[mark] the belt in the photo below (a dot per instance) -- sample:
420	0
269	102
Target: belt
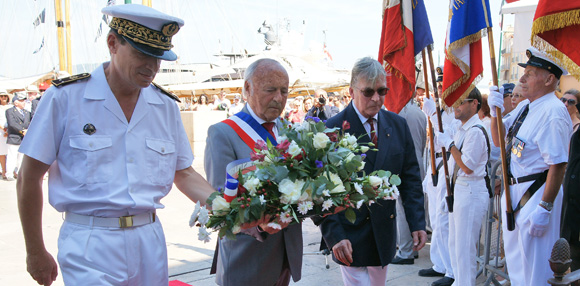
114	222
532	177
440	154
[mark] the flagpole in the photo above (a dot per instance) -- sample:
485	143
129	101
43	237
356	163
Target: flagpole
449	197
509	210
431	143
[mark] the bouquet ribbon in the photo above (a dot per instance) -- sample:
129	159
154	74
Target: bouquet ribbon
232	171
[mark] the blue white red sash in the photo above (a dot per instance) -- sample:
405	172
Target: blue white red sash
249	130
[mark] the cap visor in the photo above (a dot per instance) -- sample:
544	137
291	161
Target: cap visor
156	53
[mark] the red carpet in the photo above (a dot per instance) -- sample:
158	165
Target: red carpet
177	283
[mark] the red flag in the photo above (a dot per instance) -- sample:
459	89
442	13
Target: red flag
556	30
396	53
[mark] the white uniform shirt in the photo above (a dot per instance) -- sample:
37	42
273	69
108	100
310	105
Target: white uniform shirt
473	146
546	132
123	168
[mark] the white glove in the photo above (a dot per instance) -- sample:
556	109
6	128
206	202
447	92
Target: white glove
495	99
539	220
443	139
429	107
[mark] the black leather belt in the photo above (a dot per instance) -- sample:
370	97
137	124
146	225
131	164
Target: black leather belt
523	179
440	154
539	180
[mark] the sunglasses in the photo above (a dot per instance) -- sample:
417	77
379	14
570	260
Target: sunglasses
569	101
369	92
467	100
516	95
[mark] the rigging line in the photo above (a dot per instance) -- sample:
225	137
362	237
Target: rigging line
235	35
197	29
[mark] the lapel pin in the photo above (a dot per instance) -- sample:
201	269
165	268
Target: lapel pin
89	129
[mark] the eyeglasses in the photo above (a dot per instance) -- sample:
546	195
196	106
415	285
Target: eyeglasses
507	95
569	101
516	95
369	92
467	100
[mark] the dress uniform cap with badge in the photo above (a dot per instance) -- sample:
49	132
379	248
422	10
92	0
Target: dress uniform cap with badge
540	60
145	28
508	88
19	96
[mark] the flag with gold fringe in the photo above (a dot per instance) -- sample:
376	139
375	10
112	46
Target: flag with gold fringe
405	32
556	31
463	68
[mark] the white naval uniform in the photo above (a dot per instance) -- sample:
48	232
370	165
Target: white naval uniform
439	250
124	168
471	199
546	132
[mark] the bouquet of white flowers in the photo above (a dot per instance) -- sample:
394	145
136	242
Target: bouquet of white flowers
314	170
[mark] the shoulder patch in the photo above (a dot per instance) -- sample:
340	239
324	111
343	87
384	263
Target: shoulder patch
166	92
70	79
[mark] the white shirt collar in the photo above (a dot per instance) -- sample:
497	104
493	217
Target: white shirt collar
361	117
472	121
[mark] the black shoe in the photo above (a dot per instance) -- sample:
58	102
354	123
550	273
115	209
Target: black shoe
430	272
399	260
445	281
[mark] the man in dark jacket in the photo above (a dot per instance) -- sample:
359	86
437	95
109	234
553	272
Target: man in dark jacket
363	249
17	119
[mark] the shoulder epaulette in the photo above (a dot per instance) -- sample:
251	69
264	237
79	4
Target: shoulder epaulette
166	92
70	79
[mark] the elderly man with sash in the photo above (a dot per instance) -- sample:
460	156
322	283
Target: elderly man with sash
537	139
259	255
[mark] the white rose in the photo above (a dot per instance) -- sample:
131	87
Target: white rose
362	166
320	140
364	149
351	140
291	191
375	181
294	149
252	185
335	179
358	188
220	205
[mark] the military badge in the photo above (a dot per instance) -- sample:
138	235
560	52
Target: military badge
89	129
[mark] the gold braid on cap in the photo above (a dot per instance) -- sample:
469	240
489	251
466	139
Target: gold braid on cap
143	35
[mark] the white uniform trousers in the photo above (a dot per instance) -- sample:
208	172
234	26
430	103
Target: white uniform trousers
134	256
404	237
439	250
527	256
364	276
471	200
13	160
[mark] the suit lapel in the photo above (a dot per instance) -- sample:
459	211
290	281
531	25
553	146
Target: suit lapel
384	137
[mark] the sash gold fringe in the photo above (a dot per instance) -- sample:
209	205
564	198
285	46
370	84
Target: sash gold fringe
556	21
552	22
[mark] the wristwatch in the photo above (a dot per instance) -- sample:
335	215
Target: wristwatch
546	205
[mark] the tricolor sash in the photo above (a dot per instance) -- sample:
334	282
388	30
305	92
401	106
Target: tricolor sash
249	130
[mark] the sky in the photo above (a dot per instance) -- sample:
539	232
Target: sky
351	29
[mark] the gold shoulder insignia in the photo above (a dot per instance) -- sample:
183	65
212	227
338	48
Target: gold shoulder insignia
70	79
166	92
